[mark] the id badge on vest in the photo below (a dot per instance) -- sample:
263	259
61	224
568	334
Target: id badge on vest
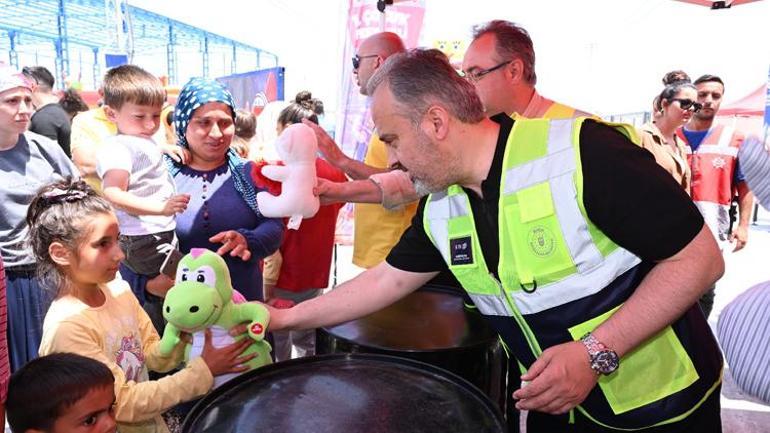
461	250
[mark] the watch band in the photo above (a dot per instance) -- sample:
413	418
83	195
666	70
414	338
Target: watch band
601	359
592	344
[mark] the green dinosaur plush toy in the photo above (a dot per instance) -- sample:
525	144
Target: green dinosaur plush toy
201	299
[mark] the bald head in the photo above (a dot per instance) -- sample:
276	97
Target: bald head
372	53
385	44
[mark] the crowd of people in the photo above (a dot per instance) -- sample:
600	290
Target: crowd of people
529	205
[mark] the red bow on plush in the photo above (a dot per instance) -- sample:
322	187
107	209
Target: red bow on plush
263	182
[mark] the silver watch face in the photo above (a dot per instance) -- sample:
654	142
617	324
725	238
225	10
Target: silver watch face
605	361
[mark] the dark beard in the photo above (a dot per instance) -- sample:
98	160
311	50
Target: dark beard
705	117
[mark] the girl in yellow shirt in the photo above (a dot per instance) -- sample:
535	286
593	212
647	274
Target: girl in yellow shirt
74	235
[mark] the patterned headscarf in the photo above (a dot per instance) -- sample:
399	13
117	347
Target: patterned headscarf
196	93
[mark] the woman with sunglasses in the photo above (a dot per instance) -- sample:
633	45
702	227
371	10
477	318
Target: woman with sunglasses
672	109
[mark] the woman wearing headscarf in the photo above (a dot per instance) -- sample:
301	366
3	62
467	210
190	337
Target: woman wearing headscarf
27	162
222	214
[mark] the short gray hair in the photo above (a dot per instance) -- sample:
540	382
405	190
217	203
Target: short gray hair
513	42
420	78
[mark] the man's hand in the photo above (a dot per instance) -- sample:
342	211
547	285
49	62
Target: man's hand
328	148
327	191
740	236
559	380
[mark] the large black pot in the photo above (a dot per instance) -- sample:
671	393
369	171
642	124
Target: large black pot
432	326
350	393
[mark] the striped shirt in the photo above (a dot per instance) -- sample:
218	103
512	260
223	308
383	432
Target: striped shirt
754	159
744	334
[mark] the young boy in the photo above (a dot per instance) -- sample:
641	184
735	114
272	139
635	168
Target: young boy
134	176
62	393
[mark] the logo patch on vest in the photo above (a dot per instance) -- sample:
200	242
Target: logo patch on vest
541	241
461	251
719	163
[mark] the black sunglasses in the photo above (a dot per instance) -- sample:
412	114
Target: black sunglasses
686	104
357	59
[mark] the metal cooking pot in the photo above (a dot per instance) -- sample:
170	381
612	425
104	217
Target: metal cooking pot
351	393
432	326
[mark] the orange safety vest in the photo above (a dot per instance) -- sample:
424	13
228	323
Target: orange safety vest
713	167
713	164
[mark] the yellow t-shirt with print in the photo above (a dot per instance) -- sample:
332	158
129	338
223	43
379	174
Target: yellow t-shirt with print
120	335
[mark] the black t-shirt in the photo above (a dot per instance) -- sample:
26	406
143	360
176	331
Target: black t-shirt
626	194
53	122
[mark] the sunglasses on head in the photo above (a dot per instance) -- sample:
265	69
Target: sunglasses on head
357	59
686	104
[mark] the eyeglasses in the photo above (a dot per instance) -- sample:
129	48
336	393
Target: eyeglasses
686	104
357	59
475	75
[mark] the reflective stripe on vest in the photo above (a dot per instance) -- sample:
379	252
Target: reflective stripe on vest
452	207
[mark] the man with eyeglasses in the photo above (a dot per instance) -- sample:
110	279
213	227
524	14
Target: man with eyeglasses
716	175
376	229
500	63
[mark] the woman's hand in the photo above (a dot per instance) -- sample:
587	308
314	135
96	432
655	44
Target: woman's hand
232	242
227	359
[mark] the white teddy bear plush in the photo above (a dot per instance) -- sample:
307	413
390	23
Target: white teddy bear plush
297	147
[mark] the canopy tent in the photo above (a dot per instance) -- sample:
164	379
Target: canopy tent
752	104
717	4
747	114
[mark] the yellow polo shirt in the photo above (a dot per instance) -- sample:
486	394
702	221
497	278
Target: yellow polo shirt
89	130
376	228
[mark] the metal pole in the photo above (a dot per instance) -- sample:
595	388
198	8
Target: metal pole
233	61
259	59
171	55
96	67
206	55
62	46
13	56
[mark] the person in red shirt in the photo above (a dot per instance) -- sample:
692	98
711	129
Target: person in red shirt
306	252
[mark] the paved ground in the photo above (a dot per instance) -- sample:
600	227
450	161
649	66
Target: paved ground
740	413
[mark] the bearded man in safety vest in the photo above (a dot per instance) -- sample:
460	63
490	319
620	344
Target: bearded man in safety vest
553	228
716	176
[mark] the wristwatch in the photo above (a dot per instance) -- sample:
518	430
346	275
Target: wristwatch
603	360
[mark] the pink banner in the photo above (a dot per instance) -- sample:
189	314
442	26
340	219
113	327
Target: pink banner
354	124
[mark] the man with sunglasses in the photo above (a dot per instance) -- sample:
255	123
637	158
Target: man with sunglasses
376	229
716	176
500	63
